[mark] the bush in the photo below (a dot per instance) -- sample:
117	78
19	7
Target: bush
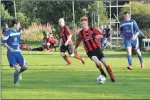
5	16
23	19
33	33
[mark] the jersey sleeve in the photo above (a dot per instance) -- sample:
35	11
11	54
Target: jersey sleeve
97	32
6	36
135	27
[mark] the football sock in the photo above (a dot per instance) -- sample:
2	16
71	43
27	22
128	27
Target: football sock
140	58
129	57
101	70
110	72
21	70
66	59
16	77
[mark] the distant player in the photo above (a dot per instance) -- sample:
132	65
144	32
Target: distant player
11	41
88	36
129	30
66	43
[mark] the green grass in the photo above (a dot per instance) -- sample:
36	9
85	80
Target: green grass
49	78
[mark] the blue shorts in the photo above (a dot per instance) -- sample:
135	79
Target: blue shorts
131	43
16	58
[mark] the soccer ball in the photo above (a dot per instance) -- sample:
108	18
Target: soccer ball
101	79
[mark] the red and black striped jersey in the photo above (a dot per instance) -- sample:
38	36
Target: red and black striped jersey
89	39
65	32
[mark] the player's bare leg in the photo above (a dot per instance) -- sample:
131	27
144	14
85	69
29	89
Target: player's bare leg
129	57
66	58
109	70
140	57
75	55
98	64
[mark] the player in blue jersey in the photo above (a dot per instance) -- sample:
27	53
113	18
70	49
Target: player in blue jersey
129	31
11	41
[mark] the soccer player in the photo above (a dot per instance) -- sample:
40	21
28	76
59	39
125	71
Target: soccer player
88	36
11	40
129	31
66	43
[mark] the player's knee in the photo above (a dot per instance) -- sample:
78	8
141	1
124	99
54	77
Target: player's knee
17	70
62	54
72	54
25	67
95	59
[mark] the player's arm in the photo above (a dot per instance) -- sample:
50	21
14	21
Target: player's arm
69	36
78	41
68	39
135	29
98	33
121	32
4	41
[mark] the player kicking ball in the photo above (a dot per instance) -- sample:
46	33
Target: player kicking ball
66	43
89	37
11	40
129	31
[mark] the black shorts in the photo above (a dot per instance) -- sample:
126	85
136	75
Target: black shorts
97	52
68	48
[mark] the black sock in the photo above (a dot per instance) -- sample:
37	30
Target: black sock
102	72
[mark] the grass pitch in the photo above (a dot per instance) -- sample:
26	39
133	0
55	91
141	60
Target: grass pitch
49	78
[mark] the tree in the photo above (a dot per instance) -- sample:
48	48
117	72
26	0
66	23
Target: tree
5	16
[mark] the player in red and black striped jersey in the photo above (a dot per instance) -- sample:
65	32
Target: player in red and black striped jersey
89	37
66	43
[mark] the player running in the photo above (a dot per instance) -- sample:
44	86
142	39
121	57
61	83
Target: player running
11	40
129	31
92	47
66	43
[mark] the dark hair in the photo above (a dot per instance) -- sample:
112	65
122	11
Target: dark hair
15	21
126	12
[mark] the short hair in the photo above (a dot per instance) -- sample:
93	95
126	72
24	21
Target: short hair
15	21
126	12
84	18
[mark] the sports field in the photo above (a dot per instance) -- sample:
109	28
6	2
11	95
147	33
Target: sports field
49	78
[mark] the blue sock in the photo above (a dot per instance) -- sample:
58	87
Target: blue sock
21	70
129	57
16	77
140	58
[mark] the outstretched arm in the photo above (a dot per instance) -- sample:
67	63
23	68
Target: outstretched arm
78	41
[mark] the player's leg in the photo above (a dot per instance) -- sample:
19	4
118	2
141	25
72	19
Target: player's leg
16	75
108	68
129	57
73	54
13	64
135	44
128	47
101	57
63	50
21	61
98	64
